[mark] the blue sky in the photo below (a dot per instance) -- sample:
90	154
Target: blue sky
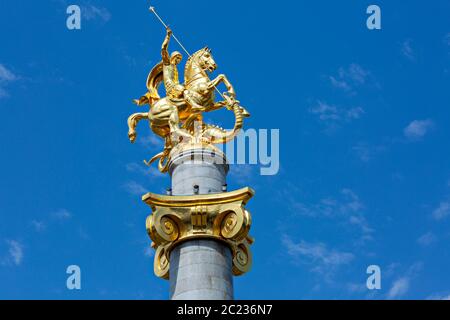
364	145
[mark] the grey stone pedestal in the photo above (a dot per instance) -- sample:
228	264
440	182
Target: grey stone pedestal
198	167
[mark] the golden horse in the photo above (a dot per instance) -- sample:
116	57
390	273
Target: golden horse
166	115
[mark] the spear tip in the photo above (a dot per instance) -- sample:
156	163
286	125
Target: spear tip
152	8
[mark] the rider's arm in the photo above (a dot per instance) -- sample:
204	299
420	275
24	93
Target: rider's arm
164	48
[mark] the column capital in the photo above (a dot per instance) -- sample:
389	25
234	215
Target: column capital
219	216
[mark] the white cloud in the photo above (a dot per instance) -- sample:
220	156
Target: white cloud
367	152
349	78
355	73
333	115
322	259
442	210
134	188
426	239
340	84
6	76
356	287
439	297
353	203
62	214
15	253
39	226
447	39
151	141
354	113
325	111
345	206
150	171
361	222
353	208
90	12
407	50
417	129
399	288
241	173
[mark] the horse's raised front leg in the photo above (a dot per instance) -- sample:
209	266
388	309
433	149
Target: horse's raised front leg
132	123
222	78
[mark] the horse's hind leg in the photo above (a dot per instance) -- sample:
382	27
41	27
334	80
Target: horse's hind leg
132	123
174	124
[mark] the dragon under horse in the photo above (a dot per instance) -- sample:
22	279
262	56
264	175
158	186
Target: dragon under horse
177	118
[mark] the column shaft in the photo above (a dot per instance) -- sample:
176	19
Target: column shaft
200	269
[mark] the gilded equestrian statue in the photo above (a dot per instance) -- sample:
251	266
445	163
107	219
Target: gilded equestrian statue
173	116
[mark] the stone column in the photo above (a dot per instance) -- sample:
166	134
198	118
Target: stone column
200	231
200	269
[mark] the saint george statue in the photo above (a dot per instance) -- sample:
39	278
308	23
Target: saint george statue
198	205
177	117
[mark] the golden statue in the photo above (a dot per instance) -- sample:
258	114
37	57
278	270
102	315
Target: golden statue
177	118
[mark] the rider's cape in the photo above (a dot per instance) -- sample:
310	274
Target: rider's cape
154	79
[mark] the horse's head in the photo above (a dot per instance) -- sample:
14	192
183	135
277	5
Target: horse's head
205	60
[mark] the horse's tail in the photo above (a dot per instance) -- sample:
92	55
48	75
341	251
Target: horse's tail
163	164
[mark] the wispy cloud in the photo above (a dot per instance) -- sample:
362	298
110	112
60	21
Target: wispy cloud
417	129
134	188
39	226
442	211
151	142
91	12
6	77
399	288
366	152
15	253
83	234
58	219
346	206
356	287
402	284
447	39
427	239
348	78
150	171
408	50
62	214
439	296
317	255
333	116
241	173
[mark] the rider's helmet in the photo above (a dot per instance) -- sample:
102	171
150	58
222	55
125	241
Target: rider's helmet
175	57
